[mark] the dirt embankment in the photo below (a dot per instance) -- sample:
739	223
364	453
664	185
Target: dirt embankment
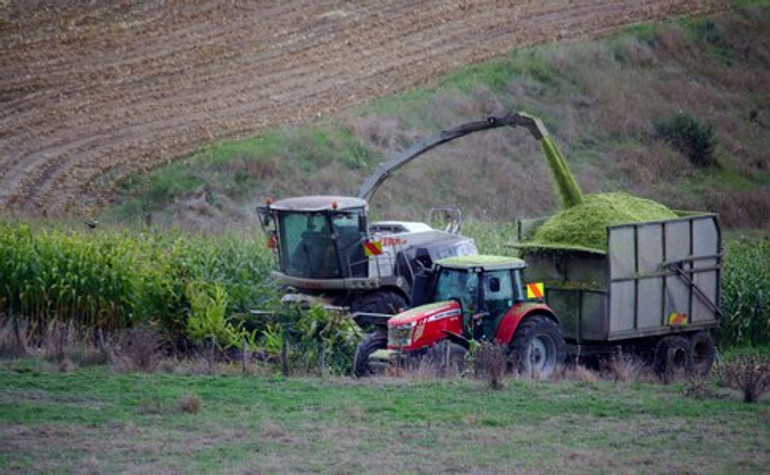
90	92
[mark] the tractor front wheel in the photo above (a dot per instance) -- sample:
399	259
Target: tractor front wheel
362	366
538	346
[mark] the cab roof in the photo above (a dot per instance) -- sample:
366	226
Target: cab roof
486	262
318	203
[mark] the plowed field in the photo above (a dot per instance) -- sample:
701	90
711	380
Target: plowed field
93	91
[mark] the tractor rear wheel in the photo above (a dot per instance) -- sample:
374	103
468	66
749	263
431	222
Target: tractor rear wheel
362	367
538	346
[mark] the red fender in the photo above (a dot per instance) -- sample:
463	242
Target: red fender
515	315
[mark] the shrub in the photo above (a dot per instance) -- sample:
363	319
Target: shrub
137	349
491	362
692	138
190	404
316	338
750	373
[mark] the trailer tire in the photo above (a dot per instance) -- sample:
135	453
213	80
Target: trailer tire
538	346
362	367
703	353
673	358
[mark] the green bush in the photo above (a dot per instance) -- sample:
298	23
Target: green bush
688	135
317	339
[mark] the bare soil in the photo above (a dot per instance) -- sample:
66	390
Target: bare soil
93	91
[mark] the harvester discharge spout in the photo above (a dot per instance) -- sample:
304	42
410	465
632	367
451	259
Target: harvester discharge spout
566	187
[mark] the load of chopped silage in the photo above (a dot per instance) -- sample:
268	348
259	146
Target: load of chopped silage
585	225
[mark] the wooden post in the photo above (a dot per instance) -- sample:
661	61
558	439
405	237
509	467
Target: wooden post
244	366
285	353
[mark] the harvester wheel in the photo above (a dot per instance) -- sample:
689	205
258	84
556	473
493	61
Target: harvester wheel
380	301
538	346
673	358
703	353
362	367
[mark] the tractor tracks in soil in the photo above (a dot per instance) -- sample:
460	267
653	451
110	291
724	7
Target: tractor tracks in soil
92	93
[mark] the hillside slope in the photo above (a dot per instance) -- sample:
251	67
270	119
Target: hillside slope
92	92
606	103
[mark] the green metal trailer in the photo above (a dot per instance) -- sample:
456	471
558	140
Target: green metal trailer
655	290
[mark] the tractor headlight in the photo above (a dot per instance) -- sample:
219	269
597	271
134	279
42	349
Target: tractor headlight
400	335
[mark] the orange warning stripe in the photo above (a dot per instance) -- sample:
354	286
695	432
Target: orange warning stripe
372	248
535	290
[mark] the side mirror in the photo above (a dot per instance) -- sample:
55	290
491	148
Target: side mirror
264	216
494	284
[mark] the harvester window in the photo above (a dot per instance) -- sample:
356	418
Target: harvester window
308	243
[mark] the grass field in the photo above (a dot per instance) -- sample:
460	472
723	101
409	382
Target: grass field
95	420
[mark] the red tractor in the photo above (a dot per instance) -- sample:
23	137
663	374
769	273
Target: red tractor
480	298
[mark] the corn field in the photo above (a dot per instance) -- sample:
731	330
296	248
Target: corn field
746	292
190	286
112	279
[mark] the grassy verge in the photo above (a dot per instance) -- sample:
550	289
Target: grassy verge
94	420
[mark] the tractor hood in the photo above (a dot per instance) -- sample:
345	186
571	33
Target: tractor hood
429	312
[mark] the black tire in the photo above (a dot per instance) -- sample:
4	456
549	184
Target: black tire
362	367
703	353
538	346
379	301
673	358
447	357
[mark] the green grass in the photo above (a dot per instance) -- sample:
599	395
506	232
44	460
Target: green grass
94	420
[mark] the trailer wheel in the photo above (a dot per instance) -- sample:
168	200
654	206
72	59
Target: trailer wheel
703	352
538	346
362	367
673	358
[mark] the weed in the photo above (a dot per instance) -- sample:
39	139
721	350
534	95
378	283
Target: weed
625	368
190	404
698	386
749	373
491	362
13	338
137	349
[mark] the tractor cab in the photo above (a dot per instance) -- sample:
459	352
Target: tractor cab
470	296
485	286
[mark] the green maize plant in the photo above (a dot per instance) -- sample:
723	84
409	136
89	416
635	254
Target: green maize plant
746	292
112	279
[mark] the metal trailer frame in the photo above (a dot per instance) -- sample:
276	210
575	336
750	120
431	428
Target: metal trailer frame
657	278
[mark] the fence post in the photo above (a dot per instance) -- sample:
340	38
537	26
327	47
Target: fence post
285	352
